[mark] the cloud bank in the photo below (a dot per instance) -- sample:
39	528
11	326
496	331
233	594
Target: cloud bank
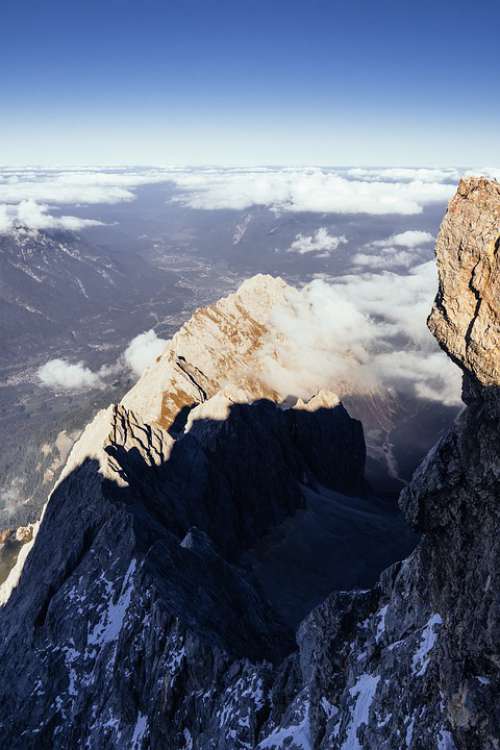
313	190
319	242
405	174
375	191
70	186
35	216
390	254
25	194
358	333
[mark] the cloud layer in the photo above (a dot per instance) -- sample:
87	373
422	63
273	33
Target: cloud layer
70	186
389	253
25	194
312	190
35	216
360	332
376	191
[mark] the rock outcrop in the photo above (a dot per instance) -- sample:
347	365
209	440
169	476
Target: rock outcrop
465	318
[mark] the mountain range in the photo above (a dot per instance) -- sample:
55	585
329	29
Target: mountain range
213	569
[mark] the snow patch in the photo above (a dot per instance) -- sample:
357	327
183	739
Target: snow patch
240	229
381	622
329	709
420	660
71	655
296	736
409	731
109	627
483	680
445	741
139	731
364	692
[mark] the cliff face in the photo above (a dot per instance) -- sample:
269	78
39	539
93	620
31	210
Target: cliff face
465	318
140	618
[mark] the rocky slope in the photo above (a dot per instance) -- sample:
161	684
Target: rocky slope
49	278
147	614
155	596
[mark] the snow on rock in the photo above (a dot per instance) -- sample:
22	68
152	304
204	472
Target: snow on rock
293	737
112	618
445	741
139	732
429	636
381	623
363	692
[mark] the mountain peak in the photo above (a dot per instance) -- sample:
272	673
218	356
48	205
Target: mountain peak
222	346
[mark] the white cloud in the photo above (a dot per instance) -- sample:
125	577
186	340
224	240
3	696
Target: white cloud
139	354
410	238
143	350
25	193
390	255
357	190
320	241
405	174
386	260
492	172
311	190
360	332
59	373
11	496
33	215
427	372
6	223
98	186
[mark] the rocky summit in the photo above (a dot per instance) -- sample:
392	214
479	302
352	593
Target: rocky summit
204	574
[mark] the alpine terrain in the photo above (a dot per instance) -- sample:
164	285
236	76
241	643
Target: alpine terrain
211	569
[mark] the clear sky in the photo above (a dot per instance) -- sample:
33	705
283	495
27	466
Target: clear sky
250	82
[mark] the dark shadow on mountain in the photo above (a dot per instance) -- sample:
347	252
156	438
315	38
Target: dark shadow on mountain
245	527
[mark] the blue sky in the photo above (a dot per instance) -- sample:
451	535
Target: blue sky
123	81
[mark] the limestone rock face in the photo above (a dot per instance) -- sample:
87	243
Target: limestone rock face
465	318
214	350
